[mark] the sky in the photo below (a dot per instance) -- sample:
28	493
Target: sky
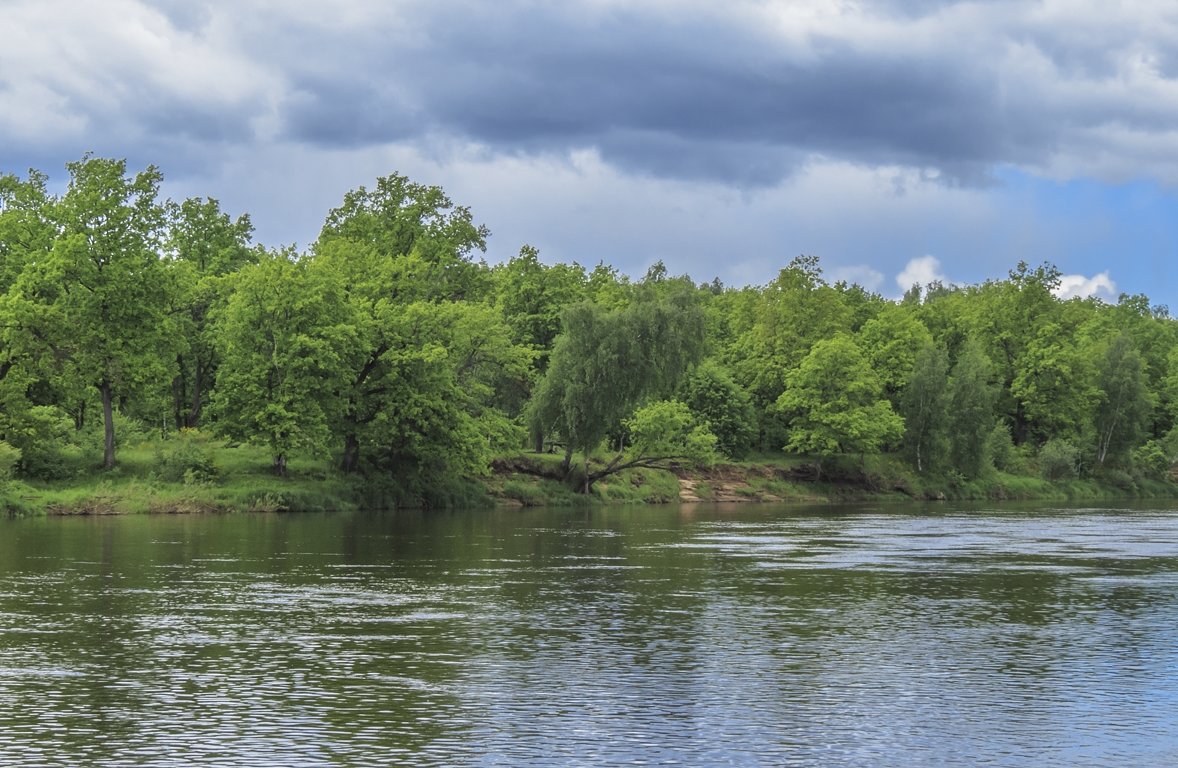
900	141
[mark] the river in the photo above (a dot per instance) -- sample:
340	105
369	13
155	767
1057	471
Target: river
699	635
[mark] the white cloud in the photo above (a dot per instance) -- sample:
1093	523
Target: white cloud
863	275
920	271
1099	286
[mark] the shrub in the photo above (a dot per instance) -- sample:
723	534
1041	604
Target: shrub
187	458
1152	460
1058	459
40	432
712	395
9	458
1001	448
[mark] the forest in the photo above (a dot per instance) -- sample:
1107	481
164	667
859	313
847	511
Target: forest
391	349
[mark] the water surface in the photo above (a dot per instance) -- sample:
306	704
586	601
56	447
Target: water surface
694	635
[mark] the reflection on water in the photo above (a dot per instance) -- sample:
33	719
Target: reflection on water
652	636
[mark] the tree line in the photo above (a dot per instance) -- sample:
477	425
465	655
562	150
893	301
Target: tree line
393	347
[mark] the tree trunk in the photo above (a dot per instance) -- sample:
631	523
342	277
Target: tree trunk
178	399
193	420
108	425
351	459
280	465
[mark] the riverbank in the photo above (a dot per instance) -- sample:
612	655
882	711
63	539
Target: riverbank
148	481
239	479
529	479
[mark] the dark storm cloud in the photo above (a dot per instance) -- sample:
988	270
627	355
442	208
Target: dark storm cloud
347	113
742	93
678	95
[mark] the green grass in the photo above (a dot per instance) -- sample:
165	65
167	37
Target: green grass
139	483
157	476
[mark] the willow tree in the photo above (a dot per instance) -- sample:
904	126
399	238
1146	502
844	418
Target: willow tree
607	362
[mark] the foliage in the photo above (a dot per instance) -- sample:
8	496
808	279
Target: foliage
189	457
426	239
835	403
892	340
794	312
971	398
204	245
1153	459
100	293
924	407
667	429
1059	459
605	362
712	394
9	458
41	432
281	339
392	347
1124	402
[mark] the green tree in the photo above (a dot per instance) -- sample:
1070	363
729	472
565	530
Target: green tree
924	406
425	408
532	295
1053	385
792	313
661	433
713	396
428	240
26	237
1009	318
971	398
607	362
1124	401
834	403
282	338
204	245
101	291
891	340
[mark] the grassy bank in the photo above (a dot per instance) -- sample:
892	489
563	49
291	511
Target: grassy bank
178	476
148	480
529	480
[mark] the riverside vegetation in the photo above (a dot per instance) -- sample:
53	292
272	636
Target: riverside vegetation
153	358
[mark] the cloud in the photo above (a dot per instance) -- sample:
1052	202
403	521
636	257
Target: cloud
920	271
1099	286
745	93
724	139
860	274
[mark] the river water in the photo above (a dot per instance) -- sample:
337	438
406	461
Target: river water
697	635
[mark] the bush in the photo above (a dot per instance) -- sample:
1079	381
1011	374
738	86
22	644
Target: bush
1152	460
9	458
1000	447
1119	479
1058	459
40	433
712	395
187	458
